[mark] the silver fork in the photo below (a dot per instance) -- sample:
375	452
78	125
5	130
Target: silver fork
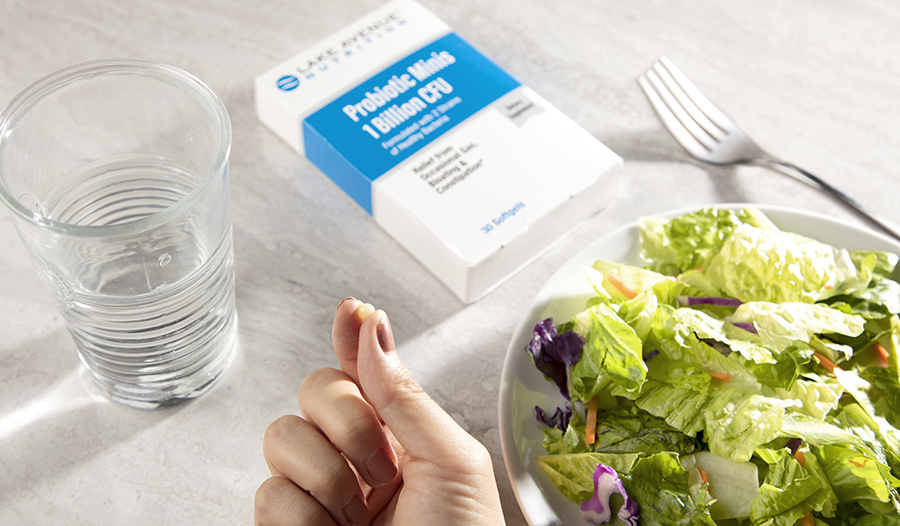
707	134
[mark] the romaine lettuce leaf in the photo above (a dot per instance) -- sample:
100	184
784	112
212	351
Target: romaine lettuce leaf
628	429
566	441
868	415
612	356
884	382
880	298
673	246
812	398
780	324
884	393
635	278
824	501
878	519
881	438
735	420
786	369
790	490
856	472
697	280
736	423
659	484
818	433
640	312
857	477
573	473
681	408
758	265
739	340
881	262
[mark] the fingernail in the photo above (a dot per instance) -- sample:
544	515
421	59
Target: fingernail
365	310
385	336
381	468
345	300
355	510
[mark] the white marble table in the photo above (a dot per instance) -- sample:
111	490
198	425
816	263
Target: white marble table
816	82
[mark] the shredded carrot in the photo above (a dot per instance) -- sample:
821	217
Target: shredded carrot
705	476
825	362
882	355
725	377
623	288
590	434
807	520
801	458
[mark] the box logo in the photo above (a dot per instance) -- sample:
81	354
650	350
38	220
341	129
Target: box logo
288	83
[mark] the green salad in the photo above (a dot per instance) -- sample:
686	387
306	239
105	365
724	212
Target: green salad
743	376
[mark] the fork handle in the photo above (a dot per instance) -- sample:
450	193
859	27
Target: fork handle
794	170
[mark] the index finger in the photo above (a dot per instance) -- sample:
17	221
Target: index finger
348	319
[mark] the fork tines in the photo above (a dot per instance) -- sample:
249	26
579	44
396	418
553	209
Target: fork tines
690	117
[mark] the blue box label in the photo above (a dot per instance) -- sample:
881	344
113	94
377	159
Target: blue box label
375	126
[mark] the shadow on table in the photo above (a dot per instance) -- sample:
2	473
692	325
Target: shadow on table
657	146
59	419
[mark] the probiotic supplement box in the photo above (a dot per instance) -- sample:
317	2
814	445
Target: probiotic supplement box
471	171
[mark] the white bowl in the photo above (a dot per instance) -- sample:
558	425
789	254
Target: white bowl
522	386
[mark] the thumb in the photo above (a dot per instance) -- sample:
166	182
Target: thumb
420	425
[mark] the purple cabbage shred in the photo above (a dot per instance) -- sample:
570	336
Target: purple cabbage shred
560	419
554	353
596	510
749	327
650	355
690	301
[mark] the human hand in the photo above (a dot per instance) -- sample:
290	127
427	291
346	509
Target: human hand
372	447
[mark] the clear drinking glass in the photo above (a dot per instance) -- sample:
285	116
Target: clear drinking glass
116	173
